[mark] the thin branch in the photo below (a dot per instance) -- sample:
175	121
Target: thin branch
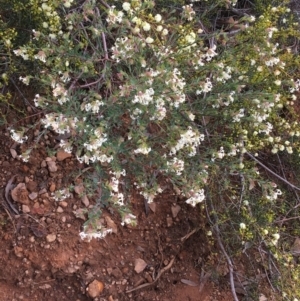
104	45
229	262
272	172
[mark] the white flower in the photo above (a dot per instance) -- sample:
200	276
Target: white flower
126	6
159	28
158	18
143	150
242	226
197	198
149	40
18	136
146	26
165	32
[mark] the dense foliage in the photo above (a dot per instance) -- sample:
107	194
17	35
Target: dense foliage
192	94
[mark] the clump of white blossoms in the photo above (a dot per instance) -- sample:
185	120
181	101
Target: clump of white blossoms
189	139
196	198
18	136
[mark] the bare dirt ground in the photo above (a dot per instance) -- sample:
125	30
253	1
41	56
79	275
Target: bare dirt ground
42	256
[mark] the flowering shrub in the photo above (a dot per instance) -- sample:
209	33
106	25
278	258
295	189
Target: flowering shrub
148	94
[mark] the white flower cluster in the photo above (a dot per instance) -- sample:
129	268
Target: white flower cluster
22	52
93	106
188	12
60	123
205	87
123	49
273	195
61	195
200	57
116	196
97	234
60	92
225	73
41	56
238	115
144	98
143	149
66	146
296	86
272	61
275	239
196	198
128	219
190	139
114	16
25	80
149	195
176	82
18	136
176	165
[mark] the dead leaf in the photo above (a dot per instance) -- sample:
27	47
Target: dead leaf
111	224
175	210
20	194
251	184
295	249
13	153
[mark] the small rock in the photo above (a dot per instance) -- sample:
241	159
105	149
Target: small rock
111	224
25	169
44	164
117	273
18	251
20	194
169	222
109	271
95	288
62	155
52	187
13	153
152	207
32	186
79	189
27	180
52	166
59	209
85	201
43	191
5	164
64	204
33	196
139	265
175	210
63	219
51	237
25	209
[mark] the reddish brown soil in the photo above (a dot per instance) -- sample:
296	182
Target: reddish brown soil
34	269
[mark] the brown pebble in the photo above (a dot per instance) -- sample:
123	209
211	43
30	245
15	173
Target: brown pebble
95	288
52	187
